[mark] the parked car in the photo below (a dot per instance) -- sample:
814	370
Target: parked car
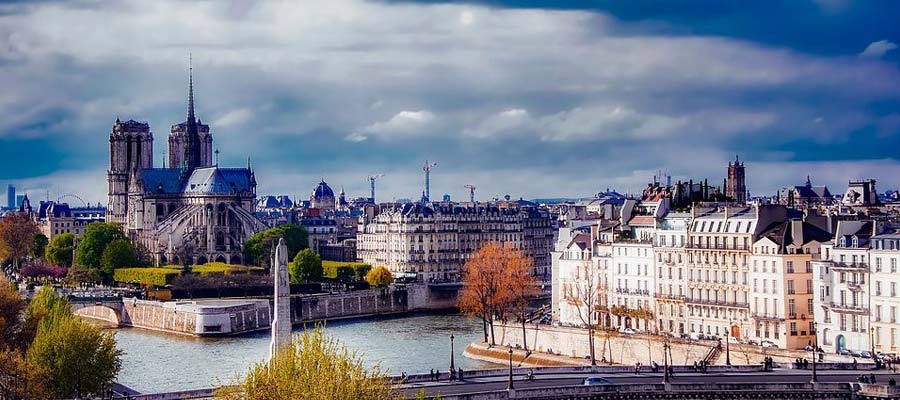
752	342
844	352
768	344
855	353
865	354
628	331
696	336
733	340
595	381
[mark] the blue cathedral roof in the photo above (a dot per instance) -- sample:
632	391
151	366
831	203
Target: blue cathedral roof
211	180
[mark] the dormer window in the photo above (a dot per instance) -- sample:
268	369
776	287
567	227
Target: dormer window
855	241
843	242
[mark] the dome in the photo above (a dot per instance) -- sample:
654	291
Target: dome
322	190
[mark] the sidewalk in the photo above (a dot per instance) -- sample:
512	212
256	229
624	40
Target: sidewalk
500	355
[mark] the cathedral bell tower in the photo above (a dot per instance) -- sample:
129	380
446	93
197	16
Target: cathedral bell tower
130	151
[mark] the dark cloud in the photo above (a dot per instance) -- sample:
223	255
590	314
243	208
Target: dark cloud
561	101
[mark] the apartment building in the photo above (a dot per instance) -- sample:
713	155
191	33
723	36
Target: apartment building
432	241
842	299
671	272
884	257
632	279
781	294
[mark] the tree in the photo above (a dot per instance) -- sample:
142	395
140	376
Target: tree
118	254
257	249
307	266
80	359
60	249
17	232
485	283
94	241
520	286
19	379
312	366
380	277
38	244
583	294
11	307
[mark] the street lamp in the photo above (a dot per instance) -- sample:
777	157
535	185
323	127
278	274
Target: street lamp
815	349
666	361
509	386
452	364
727	349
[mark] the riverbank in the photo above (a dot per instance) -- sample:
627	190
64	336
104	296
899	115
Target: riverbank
228	317
569	346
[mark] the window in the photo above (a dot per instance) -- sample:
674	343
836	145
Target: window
790	287
878	264
789	267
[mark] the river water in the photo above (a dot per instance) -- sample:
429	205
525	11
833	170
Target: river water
157	362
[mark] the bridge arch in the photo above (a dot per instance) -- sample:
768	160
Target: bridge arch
100	312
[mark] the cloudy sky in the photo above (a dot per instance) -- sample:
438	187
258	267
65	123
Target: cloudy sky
530	98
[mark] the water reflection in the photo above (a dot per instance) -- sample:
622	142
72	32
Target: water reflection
155	362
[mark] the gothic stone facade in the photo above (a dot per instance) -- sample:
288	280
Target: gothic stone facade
193	211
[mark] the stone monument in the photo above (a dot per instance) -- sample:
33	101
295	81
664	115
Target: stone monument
281	323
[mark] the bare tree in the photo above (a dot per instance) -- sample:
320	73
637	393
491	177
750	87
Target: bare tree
584	295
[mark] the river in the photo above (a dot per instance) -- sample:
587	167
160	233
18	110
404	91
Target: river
157	362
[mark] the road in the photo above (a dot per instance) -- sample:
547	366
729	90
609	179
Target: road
497	383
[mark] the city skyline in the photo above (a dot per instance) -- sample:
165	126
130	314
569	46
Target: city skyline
487	89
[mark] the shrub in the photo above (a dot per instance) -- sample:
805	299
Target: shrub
146	276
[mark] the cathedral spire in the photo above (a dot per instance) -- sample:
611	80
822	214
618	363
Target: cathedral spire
190	111
192	152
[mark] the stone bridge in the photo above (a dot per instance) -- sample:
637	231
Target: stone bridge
107	309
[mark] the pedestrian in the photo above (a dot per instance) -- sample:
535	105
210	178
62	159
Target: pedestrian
854	363
872	378
460	373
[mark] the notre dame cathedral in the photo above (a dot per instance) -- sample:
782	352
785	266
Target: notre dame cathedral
191	211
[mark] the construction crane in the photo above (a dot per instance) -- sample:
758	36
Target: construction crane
427	168
372	179
471	193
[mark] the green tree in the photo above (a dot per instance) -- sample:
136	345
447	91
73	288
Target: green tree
17	232
307	266
380	277
94	241
119	253
312	366
80	359
59	251
38	244
257	249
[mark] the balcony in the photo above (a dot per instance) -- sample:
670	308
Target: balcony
849	309
636	292
850	266
855	286
717	303
672	297
766	317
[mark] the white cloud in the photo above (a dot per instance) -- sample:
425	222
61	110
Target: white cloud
878	49
233	118
403	123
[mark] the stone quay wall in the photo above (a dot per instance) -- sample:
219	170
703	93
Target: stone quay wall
755	391
362	303
630	349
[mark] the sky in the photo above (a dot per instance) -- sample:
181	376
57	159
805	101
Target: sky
527	98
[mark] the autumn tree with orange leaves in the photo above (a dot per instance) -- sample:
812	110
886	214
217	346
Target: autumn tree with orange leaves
497	281
17	232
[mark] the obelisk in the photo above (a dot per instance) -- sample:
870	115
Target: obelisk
281	323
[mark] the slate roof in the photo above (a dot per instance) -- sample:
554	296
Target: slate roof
210	180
